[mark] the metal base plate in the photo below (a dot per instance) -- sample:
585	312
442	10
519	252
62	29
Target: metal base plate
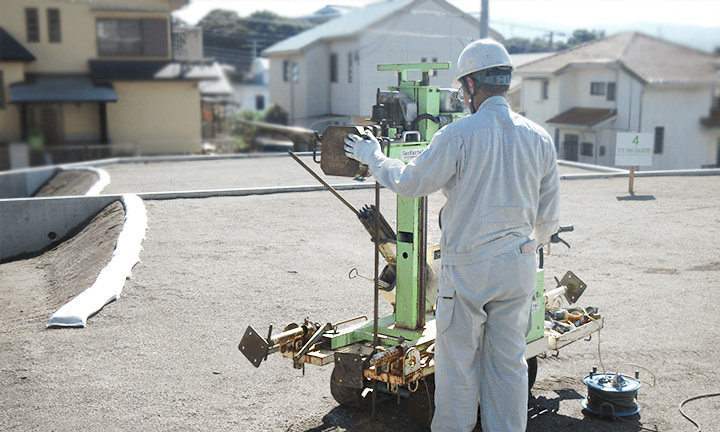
253	346
349	370
575	287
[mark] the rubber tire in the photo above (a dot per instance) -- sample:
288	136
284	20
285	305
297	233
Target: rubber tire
421	403
347	396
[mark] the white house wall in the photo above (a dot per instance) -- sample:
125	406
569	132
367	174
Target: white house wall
315	81
538	109
344	99
628	94
679	110
288	94
245	95
583	79
408	37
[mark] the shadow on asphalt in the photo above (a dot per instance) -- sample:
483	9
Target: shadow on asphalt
543	416
633	197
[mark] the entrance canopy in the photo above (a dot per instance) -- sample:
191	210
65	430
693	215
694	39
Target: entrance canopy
587	117
61	89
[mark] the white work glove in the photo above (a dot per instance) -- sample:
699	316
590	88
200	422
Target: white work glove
364	149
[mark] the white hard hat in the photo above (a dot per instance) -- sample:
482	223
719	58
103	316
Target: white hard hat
480	55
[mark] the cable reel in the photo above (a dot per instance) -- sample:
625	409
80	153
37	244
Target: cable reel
613	395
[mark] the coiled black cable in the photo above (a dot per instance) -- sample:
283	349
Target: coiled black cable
612	401
612	404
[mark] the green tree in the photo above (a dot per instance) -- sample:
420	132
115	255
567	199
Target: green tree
582	36
235	39
276	114
245	133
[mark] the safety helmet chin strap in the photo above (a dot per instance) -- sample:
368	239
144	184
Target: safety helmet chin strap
470	87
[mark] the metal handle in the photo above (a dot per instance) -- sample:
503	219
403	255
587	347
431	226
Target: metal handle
409	133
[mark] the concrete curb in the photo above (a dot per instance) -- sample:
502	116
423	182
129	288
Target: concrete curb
183	158
590	167
673	173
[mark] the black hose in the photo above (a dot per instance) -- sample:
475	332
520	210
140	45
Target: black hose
416	122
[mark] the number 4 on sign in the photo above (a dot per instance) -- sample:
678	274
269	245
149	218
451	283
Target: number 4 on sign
636	140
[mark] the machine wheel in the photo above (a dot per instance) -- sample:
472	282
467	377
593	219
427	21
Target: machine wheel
421	403
347	396
532	372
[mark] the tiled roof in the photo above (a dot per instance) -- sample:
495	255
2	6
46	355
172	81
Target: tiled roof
12	50
219	86
352	23
583	116
345	25
654	61
150	70
65	88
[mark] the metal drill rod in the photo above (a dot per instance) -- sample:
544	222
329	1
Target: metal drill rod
376	337
323	182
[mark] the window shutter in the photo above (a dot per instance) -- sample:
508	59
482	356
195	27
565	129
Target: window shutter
659	139
155	37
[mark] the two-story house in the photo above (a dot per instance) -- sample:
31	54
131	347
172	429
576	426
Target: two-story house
98	72
627	82
329	73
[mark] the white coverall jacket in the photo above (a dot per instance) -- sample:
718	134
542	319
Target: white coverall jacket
498	171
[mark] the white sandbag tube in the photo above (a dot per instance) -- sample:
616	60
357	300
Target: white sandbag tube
111	280
103	179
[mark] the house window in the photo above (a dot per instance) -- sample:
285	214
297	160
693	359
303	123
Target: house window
601	152
259	102
53	17
286	70
717	155
423	60
611	91
557	140
571	147
597	88
333	68
32	25
350	60
659	139
545	85
295	70
132	37
586	149
2	91
434	72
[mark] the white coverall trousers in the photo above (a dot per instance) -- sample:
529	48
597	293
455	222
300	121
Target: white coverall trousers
482	316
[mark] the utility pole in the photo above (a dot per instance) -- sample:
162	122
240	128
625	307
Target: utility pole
484	19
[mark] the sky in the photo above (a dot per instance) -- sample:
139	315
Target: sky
532	18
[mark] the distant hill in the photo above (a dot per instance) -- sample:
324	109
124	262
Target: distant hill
233	39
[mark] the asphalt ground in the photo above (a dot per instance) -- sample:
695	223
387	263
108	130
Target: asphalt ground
164	356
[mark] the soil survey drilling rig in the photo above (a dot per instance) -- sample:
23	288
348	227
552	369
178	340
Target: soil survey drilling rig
393	354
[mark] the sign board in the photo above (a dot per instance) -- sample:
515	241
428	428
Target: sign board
634	149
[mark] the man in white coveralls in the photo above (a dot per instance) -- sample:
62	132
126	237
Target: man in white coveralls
498	171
